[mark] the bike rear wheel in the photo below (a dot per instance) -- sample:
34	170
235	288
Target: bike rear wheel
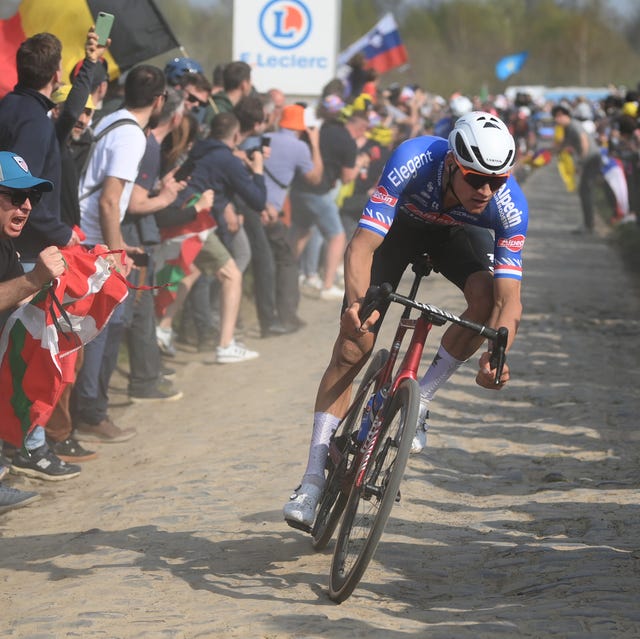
335	494
369	505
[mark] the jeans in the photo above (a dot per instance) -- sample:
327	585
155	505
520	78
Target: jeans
287	289
35	438
319	209
90	397
311	257
263	268
144	353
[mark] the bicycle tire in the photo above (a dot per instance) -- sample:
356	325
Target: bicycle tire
334	498
369	505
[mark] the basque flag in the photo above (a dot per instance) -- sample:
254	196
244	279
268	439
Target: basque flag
382	47
139	32
510	64
175	255
39	342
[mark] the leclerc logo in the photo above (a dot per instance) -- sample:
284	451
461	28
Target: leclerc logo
285	24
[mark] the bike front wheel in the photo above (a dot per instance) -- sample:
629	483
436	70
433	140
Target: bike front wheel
370	503
335	495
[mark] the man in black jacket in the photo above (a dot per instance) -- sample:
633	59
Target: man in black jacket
26	130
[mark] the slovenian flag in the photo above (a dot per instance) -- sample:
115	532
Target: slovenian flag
510	64
139	32
381	47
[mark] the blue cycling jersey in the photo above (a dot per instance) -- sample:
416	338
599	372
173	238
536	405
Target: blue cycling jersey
411	186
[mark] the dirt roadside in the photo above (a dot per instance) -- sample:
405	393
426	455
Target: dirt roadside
520	520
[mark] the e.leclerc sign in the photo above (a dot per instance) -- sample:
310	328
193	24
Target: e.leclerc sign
290	44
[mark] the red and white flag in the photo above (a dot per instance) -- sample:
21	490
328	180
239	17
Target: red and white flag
174	257
382	47
39	342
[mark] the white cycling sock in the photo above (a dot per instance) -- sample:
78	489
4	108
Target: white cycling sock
323	426
442	368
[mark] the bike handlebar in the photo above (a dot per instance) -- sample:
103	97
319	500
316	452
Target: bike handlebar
377	295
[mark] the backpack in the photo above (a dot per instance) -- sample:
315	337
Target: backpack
95	139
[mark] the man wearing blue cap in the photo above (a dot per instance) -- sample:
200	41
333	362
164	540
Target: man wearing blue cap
20	191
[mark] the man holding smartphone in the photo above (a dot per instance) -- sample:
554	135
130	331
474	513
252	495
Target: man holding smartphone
26	130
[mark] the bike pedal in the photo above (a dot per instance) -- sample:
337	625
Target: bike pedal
298	525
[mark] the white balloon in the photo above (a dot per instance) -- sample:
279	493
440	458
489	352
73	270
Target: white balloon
8	8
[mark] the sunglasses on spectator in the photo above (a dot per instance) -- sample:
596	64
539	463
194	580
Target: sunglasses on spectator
18	198
193	99
478	180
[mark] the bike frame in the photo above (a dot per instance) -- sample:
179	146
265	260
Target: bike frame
421	326
408	369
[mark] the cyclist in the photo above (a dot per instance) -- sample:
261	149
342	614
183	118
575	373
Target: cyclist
443	197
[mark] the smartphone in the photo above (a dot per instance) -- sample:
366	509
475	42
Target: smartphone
265	141
103	27
185	170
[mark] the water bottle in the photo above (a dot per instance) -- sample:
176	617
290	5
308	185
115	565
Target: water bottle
379	397
373	405
365	423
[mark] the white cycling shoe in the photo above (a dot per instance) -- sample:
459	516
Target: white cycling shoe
300	511
420	438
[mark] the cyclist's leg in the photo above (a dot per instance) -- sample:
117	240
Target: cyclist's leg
351	353
332	400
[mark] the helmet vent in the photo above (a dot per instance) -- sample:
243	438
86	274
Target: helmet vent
461	149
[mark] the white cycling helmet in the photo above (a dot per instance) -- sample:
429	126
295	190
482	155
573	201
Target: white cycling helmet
481	143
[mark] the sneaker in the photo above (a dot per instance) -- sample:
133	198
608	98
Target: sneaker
70	450
11	498
164	392
332	293
300	511
313	281
42	463
167	373
233	353
106	431
420	438
164	337
311	286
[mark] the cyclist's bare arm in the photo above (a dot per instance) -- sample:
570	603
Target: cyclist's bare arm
357	276
507	312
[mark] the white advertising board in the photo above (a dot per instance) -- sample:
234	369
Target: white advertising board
290	44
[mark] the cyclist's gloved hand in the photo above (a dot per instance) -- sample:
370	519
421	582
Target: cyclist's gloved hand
486	376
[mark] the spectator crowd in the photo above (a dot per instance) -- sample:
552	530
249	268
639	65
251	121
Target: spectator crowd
208	192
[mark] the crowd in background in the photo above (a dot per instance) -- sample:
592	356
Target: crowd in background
215	191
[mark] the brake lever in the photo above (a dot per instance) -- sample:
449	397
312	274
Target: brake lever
374	296
498	354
